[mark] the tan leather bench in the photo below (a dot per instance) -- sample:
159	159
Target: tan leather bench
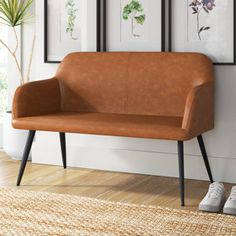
143	95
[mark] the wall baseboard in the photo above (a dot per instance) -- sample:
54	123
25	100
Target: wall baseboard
100	157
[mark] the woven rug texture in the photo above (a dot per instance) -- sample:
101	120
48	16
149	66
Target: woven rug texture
39	213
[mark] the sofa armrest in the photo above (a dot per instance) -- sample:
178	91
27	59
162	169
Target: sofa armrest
199	110
37	98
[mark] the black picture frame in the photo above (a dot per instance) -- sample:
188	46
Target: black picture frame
170	36
104	25
46	35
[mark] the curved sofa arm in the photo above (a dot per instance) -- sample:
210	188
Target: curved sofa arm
37	98
199	109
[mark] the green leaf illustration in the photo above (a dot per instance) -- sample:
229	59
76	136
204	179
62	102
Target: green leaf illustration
140	19
133	11
72	15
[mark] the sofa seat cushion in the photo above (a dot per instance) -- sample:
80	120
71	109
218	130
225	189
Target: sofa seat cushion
140	126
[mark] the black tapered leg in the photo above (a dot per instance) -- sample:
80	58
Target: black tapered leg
27	149
63	148
204	155
181	170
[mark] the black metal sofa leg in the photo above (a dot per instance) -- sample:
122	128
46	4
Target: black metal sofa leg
181	170
63	148
25	157
204	155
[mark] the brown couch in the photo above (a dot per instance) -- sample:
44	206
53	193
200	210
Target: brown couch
143	95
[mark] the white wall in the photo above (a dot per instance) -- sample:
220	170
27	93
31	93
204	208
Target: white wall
1	132
142	155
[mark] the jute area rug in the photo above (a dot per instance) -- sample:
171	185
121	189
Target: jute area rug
34	213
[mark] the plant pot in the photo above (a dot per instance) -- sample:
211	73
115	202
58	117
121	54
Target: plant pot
13	140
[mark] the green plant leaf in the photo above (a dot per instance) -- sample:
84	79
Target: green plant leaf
132	9
140	19
15	12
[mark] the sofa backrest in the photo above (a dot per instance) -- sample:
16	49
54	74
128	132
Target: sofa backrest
147	83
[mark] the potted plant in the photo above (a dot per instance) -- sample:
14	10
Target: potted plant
15	13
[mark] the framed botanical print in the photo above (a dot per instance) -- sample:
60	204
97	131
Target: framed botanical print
134	25
69	26
205	26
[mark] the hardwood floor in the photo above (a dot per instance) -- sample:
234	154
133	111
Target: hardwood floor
122	187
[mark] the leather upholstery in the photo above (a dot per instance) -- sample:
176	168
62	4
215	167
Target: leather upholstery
146	95
107	124
37	98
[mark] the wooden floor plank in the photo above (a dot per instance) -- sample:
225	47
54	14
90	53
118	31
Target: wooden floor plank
122	187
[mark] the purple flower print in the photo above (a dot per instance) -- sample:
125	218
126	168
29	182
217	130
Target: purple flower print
208	4
195	2
197	7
